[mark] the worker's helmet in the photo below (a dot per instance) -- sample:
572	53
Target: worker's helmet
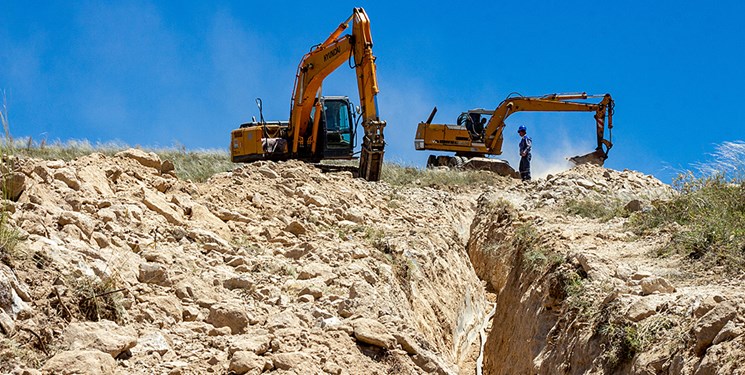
522	128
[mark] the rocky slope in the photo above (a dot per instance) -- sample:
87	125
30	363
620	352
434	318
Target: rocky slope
268	267
275	267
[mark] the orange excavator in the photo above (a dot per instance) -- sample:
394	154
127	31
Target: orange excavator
323	127
474	137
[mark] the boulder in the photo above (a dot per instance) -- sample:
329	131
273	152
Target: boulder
239	282
372	332
296	228
245	361
155	202
80	220
93	179
268	172
80	362
154	273
634	205
153	342
642	309
287	361
656	284
13	185
105	336
147	159
167	166
231	314
259	344
68	176
708	327
728	332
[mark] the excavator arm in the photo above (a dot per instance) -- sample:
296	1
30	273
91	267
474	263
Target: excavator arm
321	61
552	103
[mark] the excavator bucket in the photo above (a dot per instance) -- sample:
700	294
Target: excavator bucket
596	157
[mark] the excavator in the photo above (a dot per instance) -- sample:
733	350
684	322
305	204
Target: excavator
323	127
472	138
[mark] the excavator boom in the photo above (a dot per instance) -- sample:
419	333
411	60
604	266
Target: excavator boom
312	131
473	139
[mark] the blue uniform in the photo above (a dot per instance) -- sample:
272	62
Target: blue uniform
525	147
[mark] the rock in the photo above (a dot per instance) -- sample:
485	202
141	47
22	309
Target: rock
7	325
296	228
13	185
207	237
82	221
170	305
656	285
330	323
190	313
285	319
104	335
287	361
256	344
313	270
639	275
634	205
67	176
373	333
167	166
701	307
407	343
204	216
728	332
101	239
245	361
642	309
239	282
268	172
306	298
80	362
155	202
153	342
708	327
147	159
312	290
93	180
13	295
229	314
154	273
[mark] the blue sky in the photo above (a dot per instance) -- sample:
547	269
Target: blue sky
164	73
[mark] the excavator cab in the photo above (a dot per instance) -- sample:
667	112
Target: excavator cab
337	127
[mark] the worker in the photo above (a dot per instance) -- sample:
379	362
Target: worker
525	147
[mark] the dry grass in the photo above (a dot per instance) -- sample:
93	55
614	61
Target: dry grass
9	236
399	175
195	165
709	213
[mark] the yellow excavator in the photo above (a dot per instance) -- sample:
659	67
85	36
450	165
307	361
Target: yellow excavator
474	137
323	127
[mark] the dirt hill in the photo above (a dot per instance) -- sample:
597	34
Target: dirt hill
120	267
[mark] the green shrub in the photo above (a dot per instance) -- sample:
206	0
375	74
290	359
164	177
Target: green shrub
709	217
623	342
